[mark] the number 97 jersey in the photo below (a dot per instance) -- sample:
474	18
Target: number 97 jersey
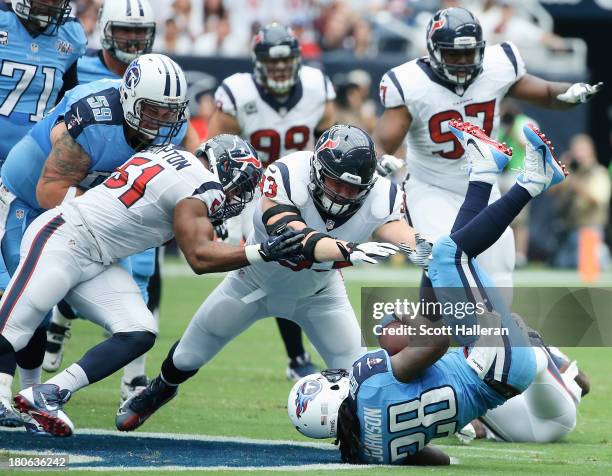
276	128
434	155
399	419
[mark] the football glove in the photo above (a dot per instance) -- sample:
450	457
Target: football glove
388	164
286	246
579	93
421	255
367	252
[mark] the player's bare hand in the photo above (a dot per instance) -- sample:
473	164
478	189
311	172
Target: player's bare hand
286	246
580	93
370	252
388	165
421	254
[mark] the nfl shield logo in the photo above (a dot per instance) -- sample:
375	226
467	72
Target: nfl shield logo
329	224
19	213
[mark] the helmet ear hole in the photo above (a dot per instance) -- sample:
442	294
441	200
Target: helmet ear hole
335	387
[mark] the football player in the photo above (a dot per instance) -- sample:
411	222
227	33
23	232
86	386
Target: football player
387	409
334	196
70	252
460	78
127	30
280	108
70	150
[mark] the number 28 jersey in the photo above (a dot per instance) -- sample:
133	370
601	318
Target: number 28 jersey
276	128
434	155
133	209
398	419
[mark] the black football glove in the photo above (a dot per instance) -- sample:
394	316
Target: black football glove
286	246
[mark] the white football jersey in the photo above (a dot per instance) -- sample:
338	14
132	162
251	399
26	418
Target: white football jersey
434	155
276	128
287	182
133	209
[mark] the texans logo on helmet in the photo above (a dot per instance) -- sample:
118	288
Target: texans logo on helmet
436	26
305	394
329	144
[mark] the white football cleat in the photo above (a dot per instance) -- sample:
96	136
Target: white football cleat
540	170
44	403
486	158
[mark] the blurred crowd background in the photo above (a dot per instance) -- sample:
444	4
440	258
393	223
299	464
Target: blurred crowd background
356	41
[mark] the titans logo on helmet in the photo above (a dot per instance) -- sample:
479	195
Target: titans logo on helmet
132	75
305	394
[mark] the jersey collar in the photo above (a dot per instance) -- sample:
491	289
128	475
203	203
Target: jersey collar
423	63
281	107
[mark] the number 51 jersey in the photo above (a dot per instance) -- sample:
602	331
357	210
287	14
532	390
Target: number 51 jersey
276	128
133	209
399	419
434	155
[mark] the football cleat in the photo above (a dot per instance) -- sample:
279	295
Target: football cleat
486	158
44	403
33	427
136	385
8	416
56	340
135	410
541	170
300	367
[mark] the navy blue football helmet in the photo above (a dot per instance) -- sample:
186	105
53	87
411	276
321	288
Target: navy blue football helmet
346	154
277	58
455	30
235	164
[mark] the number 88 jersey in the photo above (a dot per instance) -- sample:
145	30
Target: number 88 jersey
399	419
276	128
434	155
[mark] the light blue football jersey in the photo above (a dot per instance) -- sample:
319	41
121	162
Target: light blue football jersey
91	68
31	73
94	118
398	419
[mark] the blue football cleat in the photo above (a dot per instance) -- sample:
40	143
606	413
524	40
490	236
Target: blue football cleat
541	170
44	403
486	158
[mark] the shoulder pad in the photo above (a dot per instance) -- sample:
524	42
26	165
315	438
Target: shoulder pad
372	363
101	107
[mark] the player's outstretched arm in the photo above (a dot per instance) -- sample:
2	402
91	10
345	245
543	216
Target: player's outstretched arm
319	247
551	94
65	167
194	234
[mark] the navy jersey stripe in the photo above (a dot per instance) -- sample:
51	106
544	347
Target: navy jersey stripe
285	176
27	268
207	186
396	82
229	92
392	195
511	56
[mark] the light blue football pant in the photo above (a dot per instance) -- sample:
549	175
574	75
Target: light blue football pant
458	279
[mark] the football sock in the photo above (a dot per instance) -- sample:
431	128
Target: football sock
29	377
486	227
33	354
170	373
476	200
115	353
72	378
65	311
292	337
6	381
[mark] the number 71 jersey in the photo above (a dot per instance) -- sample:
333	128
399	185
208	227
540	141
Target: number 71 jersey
276	128
434	155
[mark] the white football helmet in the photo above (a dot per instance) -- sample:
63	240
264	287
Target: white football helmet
137	14
41	14
153	96
314	402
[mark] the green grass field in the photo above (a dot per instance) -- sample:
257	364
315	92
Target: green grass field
243	392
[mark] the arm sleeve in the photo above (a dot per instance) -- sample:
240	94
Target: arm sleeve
390	91
276	184
330	92
211	193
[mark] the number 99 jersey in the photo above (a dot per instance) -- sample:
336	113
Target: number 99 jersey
276	128
398	419
434	155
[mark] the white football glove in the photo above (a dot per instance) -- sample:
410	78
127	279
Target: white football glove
467	434
367	252
579	93
388	164
421	255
